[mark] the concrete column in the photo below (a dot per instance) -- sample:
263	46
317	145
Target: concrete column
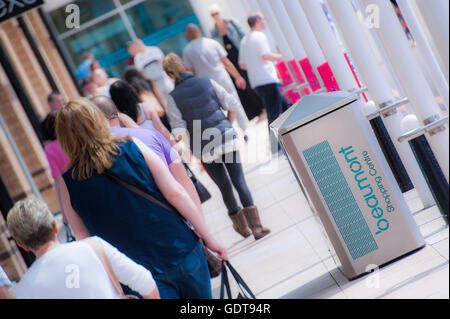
412	79
436	16
280	39
304	32
328	42
425	50
369	69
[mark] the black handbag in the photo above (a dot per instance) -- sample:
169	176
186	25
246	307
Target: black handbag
203	193
245	293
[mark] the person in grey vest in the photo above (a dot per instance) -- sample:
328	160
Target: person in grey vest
195	113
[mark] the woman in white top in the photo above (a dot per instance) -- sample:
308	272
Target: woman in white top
77	270
127	102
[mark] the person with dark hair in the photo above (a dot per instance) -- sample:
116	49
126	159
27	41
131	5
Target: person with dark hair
147	93
58	162
127	102
256	57
55	101
229	33
88	86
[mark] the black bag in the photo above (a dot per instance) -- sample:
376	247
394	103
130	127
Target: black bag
203	193
245	293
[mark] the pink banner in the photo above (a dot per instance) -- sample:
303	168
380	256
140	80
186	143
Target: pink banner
284	73
310	75
328	78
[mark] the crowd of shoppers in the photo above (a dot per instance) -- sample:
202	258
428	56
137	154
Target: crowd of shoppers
119	177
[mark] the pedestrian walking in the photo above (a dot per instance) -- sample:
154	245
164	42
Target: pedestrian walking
58	162
154	140
55	102
195	107
229	33
208	59
127	102
147	93
256	57
74	270
148	60
146	231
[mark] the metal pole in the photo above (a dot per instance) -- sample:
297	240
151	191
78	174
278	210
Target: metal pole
436	16
412	79
424	48
376	82
20	159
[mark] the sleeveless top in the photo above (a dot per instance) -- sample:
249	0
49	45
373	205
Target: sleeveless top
150	235
148	124
198	103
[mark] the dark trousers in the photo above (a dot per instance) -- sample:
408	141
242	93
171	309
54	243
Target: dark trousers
274	102
226	173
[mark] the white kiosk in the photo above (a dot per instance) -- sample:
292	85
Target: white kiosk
335	155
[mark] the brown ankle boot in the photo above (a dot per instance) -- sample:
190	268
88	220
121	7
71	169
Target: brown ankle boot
252	216
240	224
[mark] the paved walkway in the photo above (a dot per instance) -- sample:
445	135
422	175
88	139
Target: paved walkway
294	261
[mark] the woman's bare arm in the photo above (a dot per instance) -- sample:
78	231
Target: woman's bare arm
178	197
76	223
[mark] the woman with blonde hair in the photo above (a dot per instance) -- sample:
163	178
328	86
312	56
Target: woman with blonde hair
103	171
196	107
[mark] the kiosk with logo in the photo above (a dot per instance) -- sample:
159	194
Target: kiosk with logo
335	155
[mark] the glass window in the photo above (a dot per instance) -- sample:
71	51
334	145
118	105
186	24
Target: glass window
153	15
105	40
89	9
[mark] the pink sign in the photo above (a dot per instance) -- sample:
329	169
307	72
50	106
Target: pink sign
284	73
310	75
298	78
328	78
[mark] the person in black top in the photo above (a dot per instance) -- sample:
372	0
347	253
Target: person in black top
55	101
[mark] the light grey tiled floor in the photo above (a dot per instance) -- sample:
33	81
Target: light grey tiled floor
294	261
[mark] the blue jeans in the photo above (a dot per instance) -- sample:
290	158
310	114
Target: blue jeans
274	102
188	280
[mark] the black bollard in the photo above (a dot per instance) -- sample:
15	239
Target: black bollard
432	172
391	155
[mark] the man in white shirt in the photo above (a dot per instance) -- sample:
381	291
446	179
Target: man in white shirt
74	270
256	57
148	59
207	58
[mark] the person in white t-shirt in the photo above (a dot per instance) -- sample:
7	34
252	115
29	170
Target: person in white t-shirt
256	57
206	58
76	270
148	60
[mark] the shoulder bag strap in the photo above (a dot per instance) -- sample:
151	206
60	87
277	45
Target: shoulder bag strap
141	193
104	259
